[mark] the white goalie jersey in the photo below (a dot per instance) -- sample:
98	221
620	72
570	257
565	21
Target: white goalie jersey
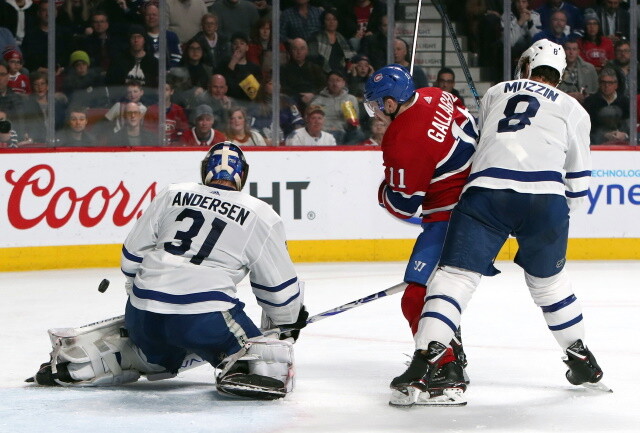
195	243
534	139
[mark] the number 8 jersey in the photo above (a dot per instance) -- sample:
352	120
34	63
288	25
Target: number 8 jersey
534	139
195	243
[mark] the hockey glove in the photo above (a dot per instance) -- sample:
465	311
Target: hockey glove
295	327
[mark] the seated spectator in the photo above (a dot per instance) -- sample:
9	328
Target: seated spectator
260	49
401	56
446	80
184	17
36	105
8	135
10	102
607	96
18	80
236	16
300	78
202	134
132	134
75	133
216	97
73	16
340	110
622	65
83	85
35	45
359	72
580	78
134	64
615	20
595	48
117	114
239	130
374	45
261	113
574	23
555	30
378	128
102	45
354	17
313	133
151	21
525	23
17	16
175	119
299	21
243	77
7	40
216	45
328	46
610	129
192	60
184	94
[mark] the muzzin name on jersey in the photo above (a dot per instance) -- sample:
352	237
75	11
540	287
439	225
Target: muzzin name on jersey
515	86
231	211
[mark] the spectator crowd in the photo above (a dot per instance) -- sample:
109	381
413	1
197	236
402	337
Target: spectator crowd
219	60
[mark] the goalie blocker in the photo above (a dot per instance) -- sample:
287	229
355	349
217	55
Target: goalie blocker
101	354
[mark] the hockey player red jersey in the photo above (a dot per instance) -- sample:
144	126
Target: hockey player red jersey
427	154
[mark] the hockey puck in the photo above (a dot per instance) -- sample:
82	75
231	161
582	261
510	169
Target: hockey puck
104	285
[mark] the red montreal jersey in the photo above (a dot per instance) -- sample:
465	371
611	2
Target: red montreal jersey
19	83
427	153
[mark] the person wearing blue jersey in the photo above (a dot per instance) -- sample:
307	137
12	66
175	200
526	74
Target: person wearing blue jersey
532	166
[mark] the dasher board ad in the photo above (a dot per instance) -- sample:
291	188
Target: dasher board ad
87	198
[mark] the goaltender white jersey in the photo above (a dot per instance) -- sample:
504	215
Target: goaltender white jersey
534	139
195	243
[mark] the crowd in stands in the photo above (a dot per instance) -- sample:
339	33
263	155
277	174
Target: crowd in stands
219	67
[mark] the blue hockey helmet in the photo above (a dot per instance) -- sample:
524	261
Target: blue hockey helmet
391	81
225	161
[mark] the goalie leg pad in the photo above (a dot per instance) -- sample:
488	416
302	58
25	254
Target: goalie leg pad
263	369
94	355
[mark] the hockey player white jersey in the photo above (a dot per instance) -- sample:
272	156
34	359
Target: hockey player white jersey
195	243
526	128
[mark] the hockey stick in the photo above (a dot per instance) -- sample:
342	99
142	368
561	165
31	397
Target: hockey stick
415	38
456	45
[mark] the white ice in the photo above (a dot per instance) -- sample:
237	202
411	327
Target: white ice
344	363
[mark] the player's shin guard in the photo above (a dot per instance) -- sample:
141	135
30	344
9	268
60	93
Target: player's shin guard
262	369
559	305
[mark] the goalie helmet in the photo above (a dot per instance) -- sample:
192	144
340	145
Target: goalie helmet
541	53
225	161
391	81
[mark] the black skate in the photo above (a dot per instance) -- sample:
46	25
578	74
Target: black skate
583	367
428	384
46	377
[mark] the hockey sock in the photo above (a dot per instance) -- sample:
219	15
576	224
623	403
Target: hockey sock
412	303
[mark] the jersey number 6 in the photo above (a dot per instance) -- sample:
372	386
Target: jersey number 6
186	238
523	118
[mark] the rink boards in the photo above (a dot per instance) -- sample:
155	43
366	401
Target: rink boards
74	209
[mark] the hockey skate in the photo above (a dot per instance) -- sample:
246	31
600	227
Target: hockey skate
240	383
458	352
583	368
46	377
430	382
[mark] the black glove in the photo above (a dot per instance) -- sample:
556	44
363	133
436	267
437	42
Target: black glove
295	327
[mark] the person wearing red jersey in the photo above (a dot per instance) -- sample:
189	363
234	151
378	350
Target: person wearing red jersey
202	134
175	119
427	150
18	82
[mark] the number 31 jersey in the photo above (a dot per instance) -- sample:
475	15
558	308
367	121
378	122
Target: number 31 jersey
534	139
195	243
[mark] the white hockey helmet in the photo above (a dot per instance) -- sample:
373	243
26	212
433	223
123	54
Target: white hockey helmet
541	53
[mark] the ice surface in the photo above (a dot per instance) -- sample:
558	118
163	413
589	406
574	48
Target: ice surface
344	363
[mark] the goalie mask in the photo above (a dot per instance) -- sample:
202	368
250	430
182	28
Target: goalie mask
542	53
391	81
225	161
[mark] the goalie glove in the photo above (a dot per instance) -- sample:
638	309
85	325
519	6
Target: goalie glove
294	328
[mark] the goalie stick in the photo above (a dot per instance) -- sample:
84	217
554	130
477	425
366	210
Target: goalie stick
456	45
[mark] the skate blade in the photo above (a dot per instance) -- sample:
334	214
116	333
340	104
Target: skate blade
598	386
404	397
449	397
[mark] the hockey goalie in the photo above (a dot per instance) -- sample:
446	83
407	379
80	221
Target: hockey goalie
183	260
